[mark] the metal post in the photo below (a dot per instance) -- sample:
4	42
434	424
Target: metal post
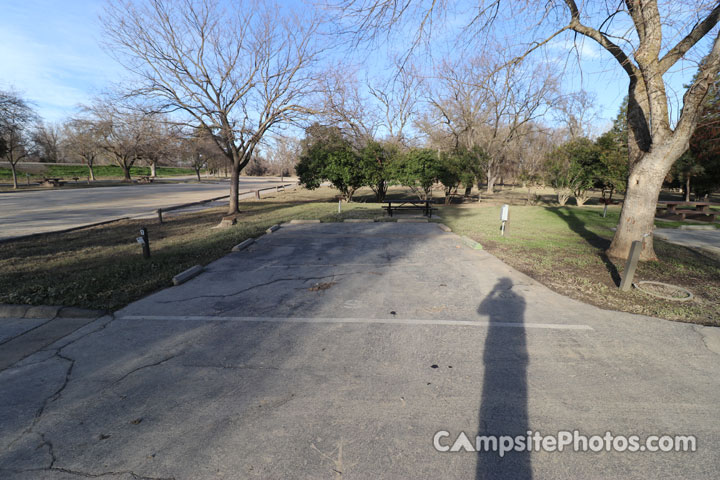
631	265
504	218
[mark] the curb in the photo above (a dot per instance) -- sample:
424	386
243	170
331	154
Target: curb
471	243
243	245
272	229
74	312
412	220
697	227
183	277
444	227
47	311
303	222
358	220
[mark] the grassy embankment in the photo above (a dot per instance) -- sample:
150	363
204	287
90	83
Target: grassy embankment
67	172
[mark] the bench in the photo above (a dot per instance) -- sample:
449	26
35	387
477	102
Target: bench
701	209
406	206
700	215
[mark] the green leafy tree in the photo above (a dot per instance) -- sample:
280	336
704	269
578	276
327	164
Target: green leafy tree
328	156
705	147
418	170
376	159
613	168
572	169
461	166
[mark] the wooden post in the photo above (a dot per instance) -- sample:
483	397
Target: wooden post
144	240
257	194
159	213
631	265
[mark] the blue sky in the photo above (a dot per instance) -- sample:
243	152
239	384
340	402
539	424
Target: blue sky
50	52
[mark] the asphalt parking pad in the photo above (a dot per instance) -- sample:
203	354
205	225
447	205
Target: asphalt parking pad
338	351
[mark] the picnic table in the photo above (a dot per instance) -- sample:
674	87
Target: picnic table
410	205
146	179
701	209
52	182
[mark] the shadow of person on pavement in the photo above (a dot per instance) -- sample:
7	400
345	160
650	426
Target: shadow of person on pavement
504	402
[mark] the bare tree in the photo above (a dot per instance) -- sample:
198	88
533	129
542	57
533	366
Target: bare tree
382	107
16	121
81	139
283	155
346	107
159	141
237	69
490	103
200	151
576	112
635	33
120	131
398	98
47	138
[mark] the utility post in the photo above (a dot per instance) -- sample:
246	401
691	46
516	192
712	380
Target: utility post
144	240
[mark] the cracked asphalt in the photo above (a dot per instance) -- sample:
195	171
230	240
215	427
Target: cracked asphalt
338	351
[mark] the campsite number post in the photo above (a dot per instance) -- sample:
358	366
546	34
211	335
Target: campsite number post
504	218
144	240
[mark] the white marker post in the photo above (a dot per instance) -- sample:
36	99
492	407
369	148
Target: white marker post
339	206
504	217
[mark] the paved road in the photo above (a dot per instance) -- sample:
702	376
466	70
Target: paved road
338	351
23	213
703	239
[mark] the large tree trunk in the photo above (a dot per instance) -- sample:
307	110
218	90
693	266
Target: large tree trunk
490	184
153	169
14	175
637	217
92	172
126	173
381	191
234	190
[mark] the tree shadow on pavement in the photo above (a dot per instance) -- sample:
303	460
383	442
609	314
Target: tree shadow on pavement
596	241
504	403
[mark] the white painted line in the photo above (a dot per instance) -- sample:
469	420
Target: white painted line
393	264
393	321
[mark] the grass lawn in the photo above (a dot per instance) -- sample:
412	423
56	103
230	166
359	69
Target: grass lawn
563	248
